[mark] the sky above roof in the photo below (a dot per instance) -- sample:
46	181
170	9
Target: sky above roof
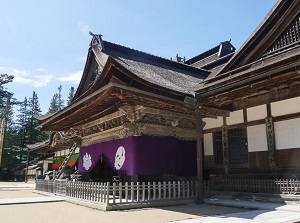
44	43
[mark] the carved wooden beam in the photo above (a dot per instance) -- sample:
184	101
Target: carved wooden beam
213	111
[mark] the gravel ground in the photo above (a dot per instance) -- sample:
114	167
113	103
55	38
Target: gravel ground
66	212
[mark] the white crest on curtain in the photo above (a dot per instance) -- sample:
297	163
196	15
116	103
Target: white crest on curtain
120	158
87	161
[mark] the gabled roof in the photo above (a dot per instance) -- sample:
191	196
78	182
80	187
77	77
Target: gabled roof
210	56
52	144
267	33
158	73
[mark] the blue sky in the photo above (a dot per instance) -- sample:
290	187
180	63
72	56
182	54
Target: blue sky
44	43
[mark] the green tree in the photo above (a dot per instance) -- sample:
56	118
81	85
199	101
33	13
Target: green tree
53	104
6	115
34	135
22	122
71	95
57	102
61	101
4	94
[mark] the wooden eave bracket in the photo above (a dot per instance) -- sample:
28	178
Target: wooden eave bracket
213	111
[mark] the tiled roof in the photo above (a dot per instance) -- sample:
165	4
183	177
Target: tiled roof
209	56
156	70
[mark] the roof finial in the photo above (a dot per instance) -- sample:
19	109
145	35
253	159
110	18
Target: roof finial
96	40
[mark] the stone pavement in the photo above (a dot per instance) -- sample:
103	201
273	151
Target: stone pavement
6	201
263	212
15	186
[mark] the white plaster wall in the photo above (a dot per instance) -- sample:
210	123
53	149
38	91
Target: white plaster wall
235	117
208	144
213	123
285	107
257	138
257	112
45	166
287	134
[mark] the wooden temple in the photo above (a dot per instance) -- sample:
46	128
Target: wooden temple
244	107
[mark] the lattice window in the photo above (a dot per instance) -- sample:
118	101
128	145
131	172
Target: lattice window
218	147
288	37
237	143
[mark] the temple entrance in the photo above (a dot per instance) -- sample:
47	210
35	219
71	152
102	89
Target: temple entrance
101	172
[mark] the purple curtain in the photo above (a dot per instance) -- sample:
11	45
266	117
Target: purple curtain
142	155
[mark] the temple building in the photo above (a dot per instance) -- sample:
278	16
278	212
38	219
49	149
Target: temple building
141	117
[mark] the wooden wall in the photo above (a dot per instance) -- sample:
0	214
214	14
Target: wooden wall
286	118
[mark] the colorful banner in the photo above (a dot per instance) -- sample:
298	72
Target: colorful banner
142	155
73	160
57	163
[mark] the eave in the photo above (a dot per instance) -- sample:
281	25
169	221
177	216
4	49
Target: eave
272	74
279	17
108	99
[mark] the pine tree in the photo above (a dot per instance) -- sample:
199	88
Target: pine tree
6	114
61	101
4	94
71	95
27	126
53	104
22	121
34	135
57	102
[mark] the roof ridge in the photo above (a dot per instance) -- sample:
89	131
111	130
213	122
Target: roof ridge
210	52
149	56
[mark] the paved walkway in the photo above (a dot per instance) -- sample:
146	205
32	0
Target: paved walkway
265	212
16	186
6	201
10	187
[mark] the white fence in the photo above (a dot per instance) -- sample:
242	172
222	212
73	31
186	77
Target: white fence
278	186
128	193
155	192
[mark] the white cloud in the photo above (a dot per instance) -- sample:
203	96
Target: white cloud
73	77
19	73
41	80
83	27
2	68
22	80
39	77
26	77
41	69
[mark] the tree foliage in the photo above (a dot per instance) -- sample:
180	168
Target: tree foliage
71	95
22	130
57	102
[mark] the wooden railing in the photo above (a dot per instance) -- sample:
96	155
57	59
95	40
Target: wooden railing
112	194
92	191
134	193
45	185
282	186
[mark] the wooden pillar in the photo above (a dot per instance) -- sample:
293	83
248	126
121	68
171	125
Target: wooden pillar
27	164
225	149
271	143
2	138
225	146
271	139
199	129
